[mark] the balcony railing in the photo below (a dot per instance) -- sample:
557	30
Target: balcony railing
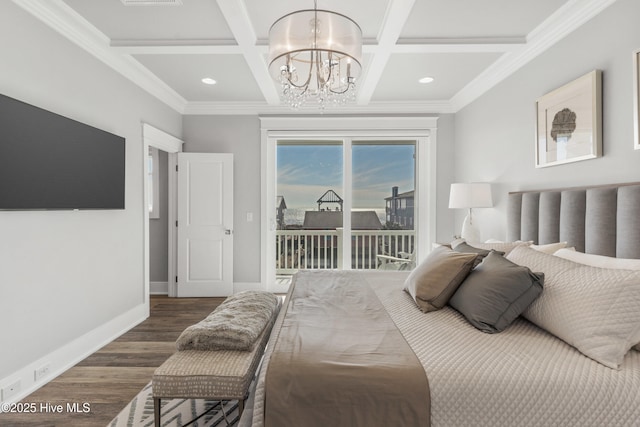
323	249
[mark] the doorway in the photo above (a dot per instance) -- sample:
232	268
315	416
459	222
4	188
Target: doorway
155	138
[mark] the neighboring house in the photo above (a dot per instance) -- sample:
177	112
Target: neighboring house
400	208
281	205
330	218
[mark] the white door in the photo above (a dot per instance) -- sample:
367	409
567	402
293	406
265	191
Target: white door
205	225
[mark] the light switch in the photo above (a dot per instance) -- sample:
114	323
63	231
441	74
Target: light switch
249	216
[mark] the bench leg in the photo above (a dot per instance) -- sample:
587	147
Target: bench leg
156	411
240	407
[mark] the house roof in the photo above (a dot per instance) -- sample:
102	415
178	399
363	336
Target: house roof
405	195
280	203
330	220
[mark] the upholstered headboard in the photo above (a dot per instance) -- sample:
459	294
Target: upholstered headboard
603	220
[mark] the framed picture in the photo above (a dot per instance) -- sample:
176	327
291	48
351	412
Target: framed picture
569	122
636	100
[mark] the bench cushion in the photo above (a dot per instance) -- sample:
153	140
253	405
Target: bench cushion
235	324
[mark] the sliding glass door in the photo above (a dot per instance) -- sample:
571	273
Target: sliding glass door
382	214
345	204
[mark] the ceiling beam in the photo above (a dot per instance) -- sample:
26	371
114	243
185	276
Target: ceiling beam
395	17
237	17
176	47
460	45
229	46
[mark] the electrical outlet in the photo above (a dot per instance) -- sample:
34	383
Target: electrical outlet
11	390
42	371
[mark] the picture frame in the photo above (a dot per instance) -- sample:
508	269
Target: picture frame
569	122
636	99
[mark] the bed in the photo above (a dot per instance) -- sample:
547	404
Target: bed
565	361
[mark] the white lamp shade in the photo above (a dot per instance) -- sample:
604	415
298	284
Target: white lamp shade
298	35
470	195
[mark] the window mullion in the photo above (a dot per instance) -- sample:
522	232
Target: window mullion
347	190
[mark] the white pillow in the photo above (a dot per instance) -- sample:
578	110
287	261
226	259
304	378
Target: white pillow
600	261
593	309
505	247
549	248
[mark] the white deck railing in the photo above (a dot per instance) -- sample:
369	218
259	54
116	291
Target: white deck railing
323	249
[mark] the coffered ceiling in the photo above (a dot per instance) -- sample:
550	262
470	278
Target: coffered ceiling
467	46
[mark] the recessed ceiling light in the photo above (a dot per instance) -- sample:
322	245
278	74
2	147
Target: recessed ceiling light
209	81
426	80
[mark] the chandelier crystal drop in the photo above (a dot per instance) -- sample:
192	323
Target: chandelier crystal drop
316	56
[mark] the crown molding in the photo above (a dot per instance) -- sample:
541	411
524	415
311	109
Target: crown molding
561	23
374	107
63	19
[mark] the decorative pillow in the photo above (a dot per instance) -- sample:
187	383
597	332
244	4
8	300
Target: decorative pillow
496	292
432	283
549	248
593	309
482	253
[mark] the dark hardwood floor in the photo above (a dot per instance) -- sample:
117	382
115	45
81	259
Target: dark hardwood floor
108	379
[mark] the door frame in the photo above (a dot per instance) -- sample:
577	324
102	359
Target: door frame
154	137
421	128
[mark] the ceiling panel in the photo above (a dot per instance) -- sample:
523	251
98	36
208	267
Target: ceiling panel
451	71
184	73
194	19
473	18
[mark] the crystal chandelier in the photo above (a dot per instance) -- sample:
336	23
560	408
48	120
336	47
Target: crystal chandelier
315	56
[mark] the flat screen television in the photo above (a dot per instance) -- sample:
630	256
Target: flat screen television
48	161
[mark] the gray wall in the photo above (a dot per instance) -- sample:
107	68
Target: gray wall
63	273
239	135
158	227
495	135
445	176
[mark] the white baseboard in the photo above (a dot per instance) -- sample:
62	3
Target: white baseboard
159	288
70	354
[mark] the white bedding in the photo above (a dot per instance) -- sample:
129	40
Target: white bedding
522	376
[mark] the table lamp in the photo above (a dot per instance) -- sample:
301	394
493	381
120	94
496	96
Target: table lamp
468	196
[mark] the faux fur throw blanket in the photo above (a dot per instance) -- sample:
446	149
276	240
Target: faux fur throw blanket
235	324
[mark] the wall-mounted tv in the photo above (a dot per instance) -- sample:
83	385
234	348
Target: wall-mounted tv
48	161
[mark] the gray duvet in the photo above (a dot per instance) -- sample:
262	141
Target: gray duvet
340	360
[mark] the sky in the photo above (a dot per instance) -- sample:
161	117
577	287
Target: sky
306	172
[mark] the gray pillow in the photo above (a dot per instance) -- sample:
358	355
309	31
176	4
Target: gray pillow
496	293
432	283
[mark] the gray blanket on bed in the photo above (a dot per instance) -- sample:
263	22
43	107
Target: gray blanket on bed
340	361
235	324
